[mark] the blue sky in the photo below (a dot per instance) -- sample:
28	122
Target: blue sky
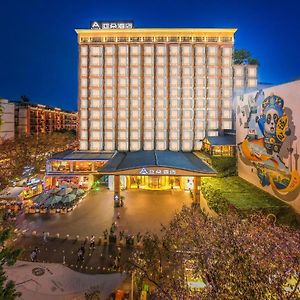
38	49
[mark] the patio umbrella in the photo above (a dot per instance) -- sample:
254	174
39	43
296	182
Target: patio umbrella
54	191
69	198
65	191
52	200
40	198
78	192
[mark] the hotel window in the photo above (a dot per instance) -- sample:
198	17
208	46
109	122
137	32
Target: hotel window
95	71
122	135
122	71
187	71
83	114
174	60
187	124
174	135
212	60
212	93
123	60
200	60
187	93
186	38
95	93
109	60
238	71
83	61
134	92
95	103
134	135
252	72
226	103
187	81
110	39
160	50
226	82
200	93
226	61
148	39
160	135
96	50
160	39
212	39
95	82
148	60
83	145
199	39
122	124
83	103
109	50
187	114
135	50
200	71
212	71
83	93
174	114
187	60
135	60
227	52
226	92
83	50
212	124
83	71
226	72
148	135
226	114
122	39
160	125
135	39
83	124
148	50
186	145
148	114
122	92
212	50
173	39
123	81
108	93
186	50
226	39
174	71
95	146
160	60
148	71
83	82
187	135
238	83
212	81
109	71
95	135
227	125
174	50
135	125
109	82
95	125
252	82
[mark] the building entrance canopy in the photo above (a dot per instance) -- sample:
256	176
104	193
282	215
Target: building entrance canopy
156	163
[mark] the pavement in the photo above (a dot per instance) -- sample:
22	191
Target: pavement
143	211
55	281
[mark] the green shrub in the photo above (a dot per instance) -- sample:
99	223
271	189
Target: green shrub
226	166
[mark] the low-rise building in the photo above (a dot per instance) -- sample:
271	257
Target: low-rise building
7	116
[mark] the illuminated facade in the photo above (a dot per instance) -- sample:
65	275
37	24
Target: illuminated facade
153	89
37	118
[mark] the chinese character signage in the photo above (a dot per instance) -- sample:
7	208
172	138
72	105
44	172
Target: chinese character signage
112	24
159	172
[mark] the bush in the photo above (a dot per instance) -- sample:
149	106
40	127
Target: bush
226	166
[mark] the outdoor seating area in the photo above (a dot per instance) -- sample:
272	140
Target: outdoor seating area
57	200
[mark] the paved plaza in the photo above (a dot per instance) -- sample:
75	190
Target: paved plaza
143	211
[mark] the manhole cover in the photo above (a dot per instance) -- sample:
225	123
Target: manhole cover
38	271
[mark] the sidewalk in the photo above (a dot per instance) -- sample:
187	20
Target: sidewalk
54	281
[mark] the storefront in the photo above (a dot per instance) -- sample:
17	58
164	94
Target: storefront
219	145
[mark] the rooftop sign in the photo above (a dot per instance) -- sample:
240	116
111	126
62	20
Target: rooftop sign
112	24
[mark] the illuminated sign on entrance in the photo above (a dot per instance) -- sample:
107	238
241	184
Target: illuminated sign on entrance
148	171
112	25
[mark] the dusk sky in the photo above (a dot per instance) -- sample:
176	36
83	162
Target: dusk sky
38	52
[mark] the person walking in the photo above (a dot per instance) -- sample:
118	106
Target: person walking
33	254
92	242
45	236
79	255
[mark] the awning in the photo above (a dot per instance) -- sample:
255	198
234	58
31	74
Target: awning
159	163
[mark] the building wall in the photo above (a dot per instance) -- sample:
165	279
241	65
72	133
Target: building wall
7	129
162	92
269	145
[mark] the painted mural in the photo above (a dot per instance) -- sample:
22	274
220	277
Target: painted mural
267	145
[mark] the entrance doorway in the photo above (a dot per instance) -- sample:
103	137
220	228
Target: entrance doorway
155	182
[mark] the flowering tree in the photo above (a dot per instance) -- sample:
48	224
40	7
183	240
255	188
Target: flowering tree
228	257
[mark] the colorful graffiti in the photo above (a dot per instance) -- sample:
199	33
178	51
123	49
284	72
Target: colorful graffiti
268	129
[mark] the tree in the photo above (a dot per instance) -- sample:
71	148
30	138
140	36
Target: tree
243	56
235	258
8	255
24	99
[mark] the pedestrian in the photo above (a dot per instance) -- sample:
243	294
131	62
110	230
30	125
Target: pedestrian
79	255
33	254
45	236
92	242
118	215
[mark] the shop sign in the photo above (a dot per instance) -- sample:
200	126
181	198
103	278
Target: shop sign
147	171
112	25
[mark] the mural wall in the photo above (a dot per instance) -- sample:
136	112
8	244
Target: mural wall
268	138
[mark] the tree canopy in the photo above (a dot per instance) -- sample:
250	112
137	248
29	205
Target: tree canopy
243	56
232	258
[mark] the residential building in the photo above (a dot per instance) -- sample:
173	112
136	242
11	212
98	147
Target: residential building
7	115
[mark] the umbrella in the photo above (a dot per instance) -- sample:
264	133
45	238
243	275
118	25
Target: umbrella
40	198
52	200
65	191
69	198
78	192
54	191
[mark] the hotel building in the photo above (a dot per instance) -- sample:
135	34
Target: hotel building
147	99
147	89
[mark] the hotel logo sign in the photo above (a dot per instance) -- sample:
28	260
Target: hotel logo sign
112	25
148	171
